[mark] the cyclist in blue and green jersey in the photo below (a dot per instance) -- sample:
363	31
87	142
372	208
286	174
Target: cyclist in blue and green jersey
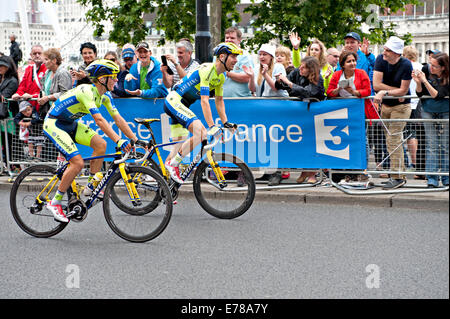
197	85
63	129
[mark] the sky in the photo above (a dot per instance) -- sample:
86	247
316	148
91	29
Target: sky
9	8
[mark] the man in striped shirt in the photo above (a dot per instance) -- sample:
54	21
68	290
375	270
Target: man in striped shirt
181	68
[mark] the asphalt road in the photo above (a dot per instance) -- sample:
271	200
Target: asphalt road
276	250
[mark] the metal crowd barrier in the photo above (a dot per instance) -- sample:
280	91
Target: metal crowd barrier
26	148
22	152
413	146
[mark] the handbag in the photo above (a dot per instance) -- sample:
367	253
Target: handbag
4	111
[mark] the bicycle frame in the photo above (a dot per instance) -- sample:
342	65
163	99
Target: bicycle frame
154	149
118	163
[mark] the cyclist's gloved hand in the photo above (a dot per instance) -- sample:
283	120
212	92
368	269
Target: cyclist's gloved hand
213	130
141	143
124	145
230	125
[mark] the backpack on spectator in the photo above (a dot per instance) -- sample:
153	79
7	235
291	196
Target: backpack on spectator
20	55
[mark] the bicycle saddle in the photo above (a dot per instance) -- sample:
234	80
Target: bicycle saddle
142	121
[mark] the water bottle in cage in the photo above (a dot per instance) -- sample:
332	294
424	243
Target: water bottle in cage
60	161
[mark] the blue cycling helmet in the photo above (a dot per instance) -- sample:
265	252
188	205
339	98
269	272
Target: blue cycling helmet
228	48
101	68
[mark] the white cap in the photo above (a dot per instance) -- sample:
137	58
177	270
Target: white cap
23	105
395	44
268	48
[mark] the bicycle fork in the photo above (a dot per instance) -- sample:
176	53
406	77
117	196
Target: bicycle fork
130	185
216	169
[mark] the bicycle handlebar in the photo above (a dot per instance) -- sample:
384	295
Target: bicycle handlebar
216	136
123	159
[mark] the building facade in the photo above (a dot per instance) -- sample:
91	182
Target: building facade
43	34
428	24
77	30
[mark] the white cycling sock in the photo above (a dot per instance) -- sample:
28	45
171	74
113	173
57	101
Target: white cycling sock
57	199
176	160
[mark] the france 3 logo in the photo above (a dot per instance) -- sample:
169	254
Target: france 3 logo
332	134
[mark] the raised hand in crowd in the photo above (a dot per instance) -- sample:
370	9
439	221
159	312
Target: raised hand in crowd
328	72
248	70
295	40
365	46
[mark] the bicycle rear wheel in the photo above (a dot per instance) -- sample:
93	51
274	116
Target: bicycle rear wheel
125	219
32	216
231	201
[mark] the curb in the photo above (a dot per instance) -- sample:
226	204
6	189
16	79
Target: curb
437	201
417	201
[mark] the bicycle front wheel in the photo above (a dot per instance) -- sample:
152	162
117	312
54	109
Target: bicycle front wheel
120	197
29	212
125	219
222	201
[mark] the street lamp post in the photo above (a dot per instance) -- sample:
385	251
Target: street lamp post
202	36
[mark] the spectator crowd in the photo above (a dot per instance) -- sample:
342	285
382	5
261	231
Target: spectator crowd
319	74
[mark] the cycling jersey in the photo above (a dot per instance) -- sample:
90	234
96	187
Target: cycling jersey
79	101
61	124
194	85
199	82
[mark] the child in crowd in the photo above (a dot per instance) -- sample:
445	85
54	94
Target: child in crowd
31	131
283	56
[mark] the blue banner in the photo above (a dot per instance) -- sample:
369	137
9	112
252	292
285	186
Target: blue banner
274	133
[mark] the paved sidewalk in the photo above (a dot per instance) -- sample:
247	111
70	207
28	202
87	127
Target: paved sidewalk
423	200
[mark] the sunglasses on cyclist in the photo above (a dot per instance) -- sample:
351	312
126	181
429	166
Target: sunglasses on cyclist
113	76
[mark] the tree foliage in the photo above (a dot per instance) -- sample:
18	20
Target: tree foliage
326	20
177	19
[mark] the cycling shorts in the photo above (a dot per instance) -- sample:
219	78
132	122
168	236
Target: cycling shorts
65	134
178	112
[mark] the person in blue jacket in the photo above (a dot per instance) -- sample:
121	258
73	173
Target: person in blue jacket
129	58
145	78
366	60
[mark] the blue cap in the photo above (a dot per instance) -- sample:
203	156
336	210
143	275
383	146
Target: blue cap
127	53
434	51
353	35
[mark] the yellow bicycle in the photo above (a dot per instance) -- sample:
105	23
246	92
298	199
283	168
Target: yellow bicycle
134	187
223	184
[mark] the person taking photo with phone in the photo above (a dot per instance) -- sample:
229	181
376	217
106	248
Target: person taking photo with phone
172	70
